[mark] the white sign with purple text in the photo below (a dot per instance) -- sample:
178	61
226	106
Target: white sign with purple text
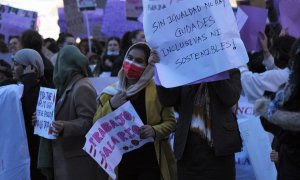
113	135
194	40
45	113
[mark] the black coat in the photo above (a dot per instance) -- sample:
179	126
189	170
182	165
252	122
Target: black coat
223	96
29	101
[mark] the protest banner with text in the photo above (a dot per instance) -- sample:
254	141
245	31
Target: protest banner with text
13	21
194	40
113	135
45	113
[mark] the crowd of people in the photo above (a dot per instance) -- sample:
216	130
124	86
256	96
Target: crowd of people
206	131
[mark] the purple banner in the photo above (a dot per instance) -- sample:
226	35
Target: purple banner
76	21
14	21
114	19
256	22
289	16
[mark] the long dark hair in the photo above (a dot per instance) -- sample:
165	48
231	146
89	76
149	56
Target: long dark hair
293	101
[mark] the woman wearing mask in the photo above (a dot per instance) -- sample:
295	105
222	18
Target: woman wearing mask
152	161
111	53
28	69
74	110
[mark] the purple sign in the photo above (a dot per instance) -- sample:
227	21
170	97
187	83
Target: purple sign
217	77
256	22
289	16
14	21
76	21
114	19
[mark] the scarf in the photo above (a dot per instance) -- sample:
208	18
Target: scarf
201	120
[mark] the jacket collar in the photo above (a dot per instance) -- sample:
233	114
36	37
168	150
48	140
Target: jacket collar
62	99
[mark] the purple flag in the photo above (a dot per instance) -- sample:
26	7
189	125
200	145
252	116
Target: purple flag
289	16
114	19
256	22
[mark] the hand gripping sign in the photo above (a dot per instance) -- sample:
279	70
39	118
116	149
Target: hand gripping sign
114	135
45	113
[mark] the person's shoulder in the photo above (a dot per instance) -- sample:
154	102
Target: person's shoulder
83	83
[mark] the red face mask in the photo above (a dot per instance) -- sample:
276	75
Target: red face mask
132	70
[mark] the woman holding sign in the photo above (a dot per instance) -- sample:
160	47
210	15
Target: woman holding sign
207	134
152	161
28	69
74	112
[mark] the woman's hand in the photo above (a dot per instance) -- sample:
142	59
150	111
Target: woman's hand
261	107
118	99
34	119
263	39
274	156
146	131
29	69
58	127
154	58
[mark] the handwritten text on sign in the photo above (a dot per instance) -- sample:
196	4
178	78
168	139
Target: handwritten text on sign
14	21
45	113
194	40
113	135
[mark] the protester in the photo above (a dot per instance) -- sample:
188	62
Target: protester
200	152
51	45
5	74
152	161
28	69
63	39
14	44
138	36
281	112
33	40
256	84
111	52
64	158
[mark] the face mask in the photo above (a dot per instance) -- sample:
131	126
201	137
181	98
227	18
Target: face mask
132	70
112	53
